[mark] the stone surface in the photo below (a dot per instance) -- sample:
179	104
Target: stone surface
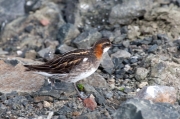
90	102
47	53
142	84
163	72
153	48
11	9
3	52
107	63
66	33
98	97
90	115
158	94
163	13
64	48
31	54
15	78
13	32
46	104
72	13
62	90
144	109
151	39
42	98
87	38
141	73
128	10
121	53
95	80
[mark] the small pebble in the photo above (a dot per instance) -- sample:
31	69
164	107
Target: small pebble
46	104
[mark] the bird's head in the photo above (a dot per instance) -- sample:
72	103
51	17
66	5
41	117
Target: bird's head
101	46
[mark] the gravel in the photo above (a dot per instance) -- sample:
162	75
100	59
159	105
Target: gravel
144	52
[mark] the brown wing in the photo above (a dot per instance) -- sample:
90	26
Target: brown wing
63	63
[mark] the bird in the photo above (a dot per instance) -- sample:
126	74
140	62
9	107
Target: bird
74	65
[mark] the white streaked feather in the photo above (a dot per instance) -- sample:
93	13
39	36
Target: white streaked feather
49	75
85	59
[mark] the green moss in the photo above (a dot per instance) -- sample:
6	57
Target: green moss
80	87
121	89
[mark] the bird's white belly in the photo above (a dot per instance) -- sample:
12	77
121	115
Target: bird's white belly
82	75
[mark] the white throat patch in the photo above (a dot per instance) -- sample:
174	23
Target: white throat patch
105	49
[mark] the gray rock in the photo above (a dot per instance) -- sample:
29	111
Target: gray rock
47	53
3	108
62	117
11	9
163	72
44	21
126	43
31	54
95	13
107	34
119	38
128	10
16	78
108	94
165	94
66	33
90	115
60	90
141	73
64	48
121	53
87	38
3	52
107	63
127	90
95	80
72	13
144	109
153	48
33	5
98	97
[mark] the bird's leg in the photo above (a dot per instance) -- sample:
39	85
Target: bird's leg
82	96
52	82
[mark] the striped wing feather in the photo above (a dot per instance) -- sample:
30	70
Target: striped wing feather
63	63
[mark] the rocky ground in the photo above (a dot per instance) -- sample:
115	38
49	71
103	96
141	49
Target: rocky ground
137	79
